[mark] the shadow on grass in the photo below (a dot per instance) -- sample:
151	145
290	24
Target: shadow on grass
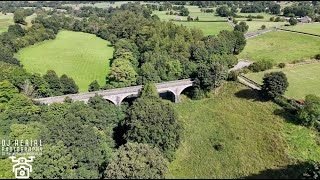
250	94
289	116
294	171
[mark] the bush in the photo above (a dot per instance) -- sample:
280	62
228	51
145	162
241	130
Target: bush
298	61
263	27
260	66
249	19
309	114
281	65
271	19
317	57
232	76
274	84
293	21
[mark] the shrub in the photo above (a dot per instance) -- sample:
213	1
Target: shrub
281	65
271	19
298	61
263	27
309	114
232	76
260	66
293	21
317	57
274	84
249	19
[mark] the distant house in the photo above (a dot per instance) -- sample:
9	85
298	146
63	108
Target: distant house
305	19
178	18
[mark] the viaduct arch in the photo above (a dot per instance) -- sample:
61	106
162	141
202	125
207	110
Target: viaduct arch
117	95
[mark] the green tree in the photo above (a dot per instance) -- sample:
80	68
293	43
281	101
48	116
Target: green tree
241	27
54	82
68	85
274	84
184	12
275	8
137	161
153	121
19	17
309	114
223	11
122	73
149	89
293	21
17	30
55	162
7	91
211	75
94	86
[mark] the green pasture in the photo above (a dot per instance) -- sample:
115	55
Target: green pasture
280	46
208	28
313	28
82	56
303	79
5	21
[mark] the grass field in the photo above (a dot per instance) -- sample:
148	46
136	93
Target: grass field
5	21
208	28
280	46
99	5
194	12
82	56
266	16
256	25
313	28
253	137
302	79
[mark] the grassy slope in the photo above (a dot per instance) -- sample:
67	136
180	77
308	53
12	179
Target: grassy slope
254	138
279	46
82	56
313	28
302	79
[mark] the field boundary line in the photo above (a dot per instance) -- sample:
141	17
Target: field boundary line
299	32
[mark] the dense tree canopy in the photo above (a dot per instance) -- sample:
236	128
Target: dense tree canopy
137	161
153	121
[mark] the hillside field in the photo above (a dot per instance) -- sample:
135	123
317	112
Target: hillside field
254	139
82	56
280	46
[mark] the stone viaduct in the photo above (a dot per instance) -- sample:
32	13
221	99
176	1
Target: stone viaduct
117	95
